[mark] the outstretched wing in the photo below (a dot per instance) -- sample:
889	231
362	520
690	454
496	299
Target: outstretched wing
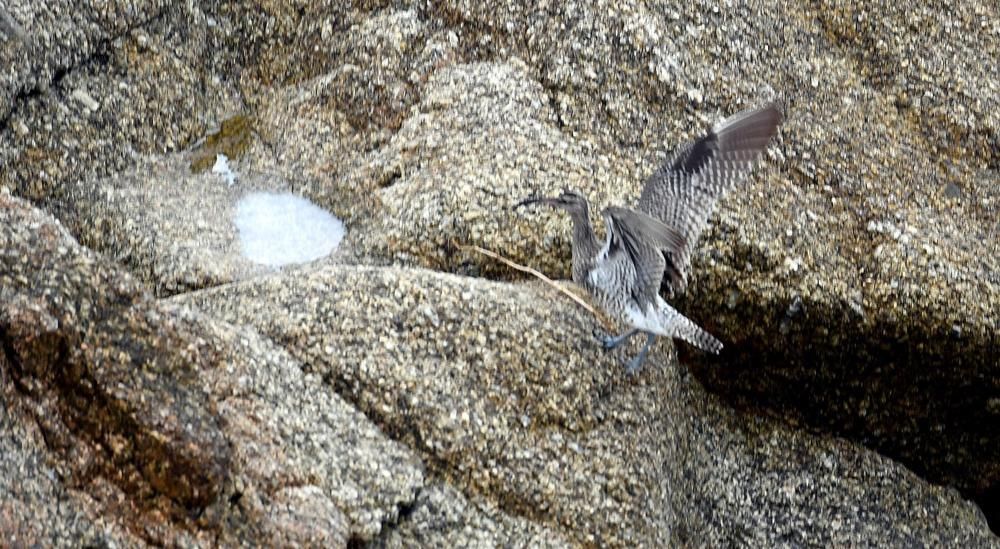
641	238
683	192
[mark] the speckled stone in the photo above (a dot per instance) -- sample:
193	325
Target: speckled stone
111	383
491	400
854	280
167	425
483	137
441	516
172	229
36	507
307	467
330	129
519	405
97	85
850	264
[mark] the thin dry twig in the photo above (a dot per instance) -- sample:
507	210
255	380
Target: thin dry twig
540	276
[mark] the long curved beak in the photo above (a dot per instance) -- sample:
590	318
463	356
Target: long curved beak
536	200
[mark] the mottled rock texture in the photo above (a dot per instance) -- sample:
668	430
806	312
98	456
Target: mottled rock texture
182	426
162	222
854	279
521	406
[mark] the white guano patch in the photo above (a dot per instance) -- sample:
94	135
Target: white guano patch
279	229
221	167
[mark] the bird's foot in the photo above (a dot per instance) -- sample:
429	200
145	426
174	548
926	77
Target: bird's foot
610	342
633	366
637	361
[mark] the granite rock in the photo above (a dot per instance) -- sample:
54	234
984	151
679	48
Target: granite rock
173	229
174	427
520	406
442	516
859	263
853	279
36	506
95	87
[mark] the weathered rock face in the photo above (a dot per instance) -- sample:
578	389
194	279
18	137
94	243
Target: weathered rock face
175	426
442	517
859	267
36	506
558	447
854	279
518	405
470	373
162	222
92	87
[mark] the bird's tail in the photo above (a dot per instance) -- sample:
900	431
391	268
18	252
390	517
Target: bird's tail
676	325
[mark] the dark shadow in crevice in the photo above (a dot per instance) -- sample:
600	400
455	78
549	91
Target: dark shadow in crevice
923	398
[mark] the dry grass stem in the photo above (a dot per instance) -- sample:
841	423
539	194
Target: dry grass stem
524	269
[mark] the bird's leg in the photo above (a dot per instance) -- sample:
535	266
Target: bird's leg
610	342
636	363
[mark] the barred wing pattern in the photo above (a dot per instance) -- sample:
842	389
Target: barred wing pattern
635	264
683	192
640	238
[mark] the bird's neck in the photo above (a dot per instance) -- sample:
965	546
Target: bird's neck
585	245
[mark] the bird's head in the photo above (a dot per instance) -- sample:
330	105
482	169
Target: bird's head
570	201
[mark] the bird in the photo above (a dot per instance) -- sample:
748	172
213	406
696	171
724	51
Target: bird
647	250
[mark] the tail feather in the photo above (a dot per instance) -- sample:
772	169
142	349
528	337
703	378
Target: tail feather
674	324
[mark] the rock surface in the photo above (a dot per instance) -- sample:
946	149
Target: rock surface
558	447
189	428
163	222
518	404
854	280
860	266
95	86
36	507
442	517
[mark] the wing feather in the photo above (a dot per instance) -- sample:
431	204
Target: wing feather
682	193
641	237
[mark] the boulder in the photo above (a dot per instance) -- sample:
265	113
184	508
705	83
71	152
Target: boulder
94	87
173	229
857	266
853	278
442	516
171	425
36	507
506	394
